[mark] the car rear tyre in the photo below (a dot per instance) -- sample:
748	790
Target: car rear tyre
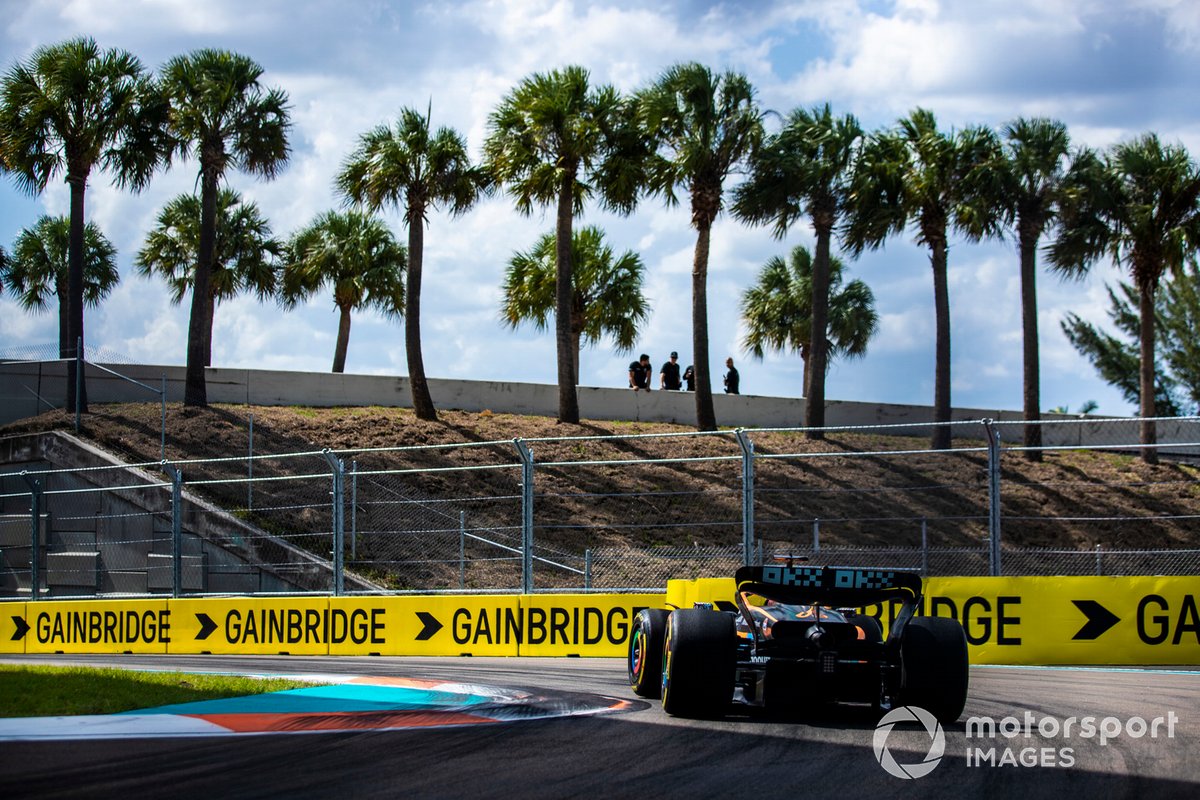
699	663
646	651
933	652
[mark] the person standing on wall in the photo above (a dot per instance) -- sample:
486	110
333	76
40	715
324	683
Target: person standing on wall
689	377
639	373
731	377
668	377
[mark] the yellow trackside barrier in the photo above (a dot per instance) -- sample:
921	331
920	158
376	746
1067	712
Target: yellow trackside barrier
429	625
1052	620
14	627
1035	620
581	624
113	626
251	625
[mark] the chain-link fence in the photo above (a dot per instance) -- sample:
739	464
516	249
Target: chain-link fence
599	513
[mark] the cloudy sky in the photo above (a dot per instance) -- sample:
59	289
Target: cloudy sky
1110	69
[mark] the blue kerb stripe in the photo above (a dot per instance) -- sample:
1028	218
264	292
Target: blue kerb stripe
325	699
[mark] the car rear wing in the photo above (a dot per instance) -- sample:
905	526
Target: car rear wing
837	587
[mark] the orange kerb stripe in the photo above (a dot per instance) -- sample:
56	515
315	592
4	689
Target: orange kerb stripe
414	683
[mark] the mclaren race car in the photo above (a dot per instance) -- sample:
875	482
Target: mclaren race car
791	636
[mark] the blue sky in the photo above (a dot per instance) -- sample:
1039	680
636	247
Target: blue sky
1110	69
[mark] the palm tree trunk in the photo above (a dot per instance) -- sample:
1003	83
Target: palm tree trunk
1149	435
343	339
195	391
577	335
706	416
941	380
422	400
805	359
1029	329
815	368
78	185
210	314
63	291
568	400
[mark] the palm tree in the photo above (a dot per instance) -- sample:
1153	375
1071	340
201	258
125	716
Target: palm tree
556	140
935	181
805	169
67	110
607	299
357	255
1116	359
223	116
410	168
704	126
245	253
1146	217
1037	180
778	311
39	267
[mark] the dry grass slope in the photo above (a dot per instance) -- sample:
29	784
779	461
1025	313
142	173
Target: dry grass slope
875	497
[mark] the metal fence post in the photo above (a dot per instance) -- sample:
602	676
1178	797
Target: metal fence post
35	512
162	435
78	382
747	496
587	569
250	469
924	546
462	550
176	531
1099	569
338	467
354	510
993	437
526	515
816	536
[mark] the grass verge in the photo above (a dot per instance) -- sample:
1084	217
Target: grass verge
40	691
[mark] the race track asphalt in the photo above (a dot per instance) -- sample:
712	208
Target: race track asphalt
640	752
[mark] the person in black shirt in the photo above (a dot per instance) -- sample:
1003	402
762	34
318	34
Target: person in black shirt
731	377
668	377
639	373
689	377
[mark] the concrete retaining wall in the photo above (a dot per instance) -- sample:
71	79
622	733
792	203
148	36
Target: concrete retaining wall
22	383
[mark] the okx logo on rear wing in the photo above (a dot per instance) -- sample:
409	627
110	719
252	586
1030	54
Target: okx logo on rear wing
851	587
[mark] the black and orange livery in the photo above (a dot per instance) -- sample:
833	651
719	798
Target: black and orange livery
791	636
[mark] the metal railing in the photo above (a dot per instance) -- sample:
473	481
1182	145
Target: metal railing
81	363
541	515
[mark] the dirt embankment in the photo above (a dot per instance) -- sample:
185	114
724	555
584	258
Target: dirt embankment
687	490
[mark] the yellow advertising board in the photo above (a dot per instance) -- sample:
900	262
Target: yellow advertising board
1073	620
251	626
13	628
94	626
1033	620
428	625
1050	620
580	624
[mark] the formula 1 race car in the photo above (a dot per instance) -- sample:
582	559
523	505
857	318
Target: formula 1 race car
792	637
